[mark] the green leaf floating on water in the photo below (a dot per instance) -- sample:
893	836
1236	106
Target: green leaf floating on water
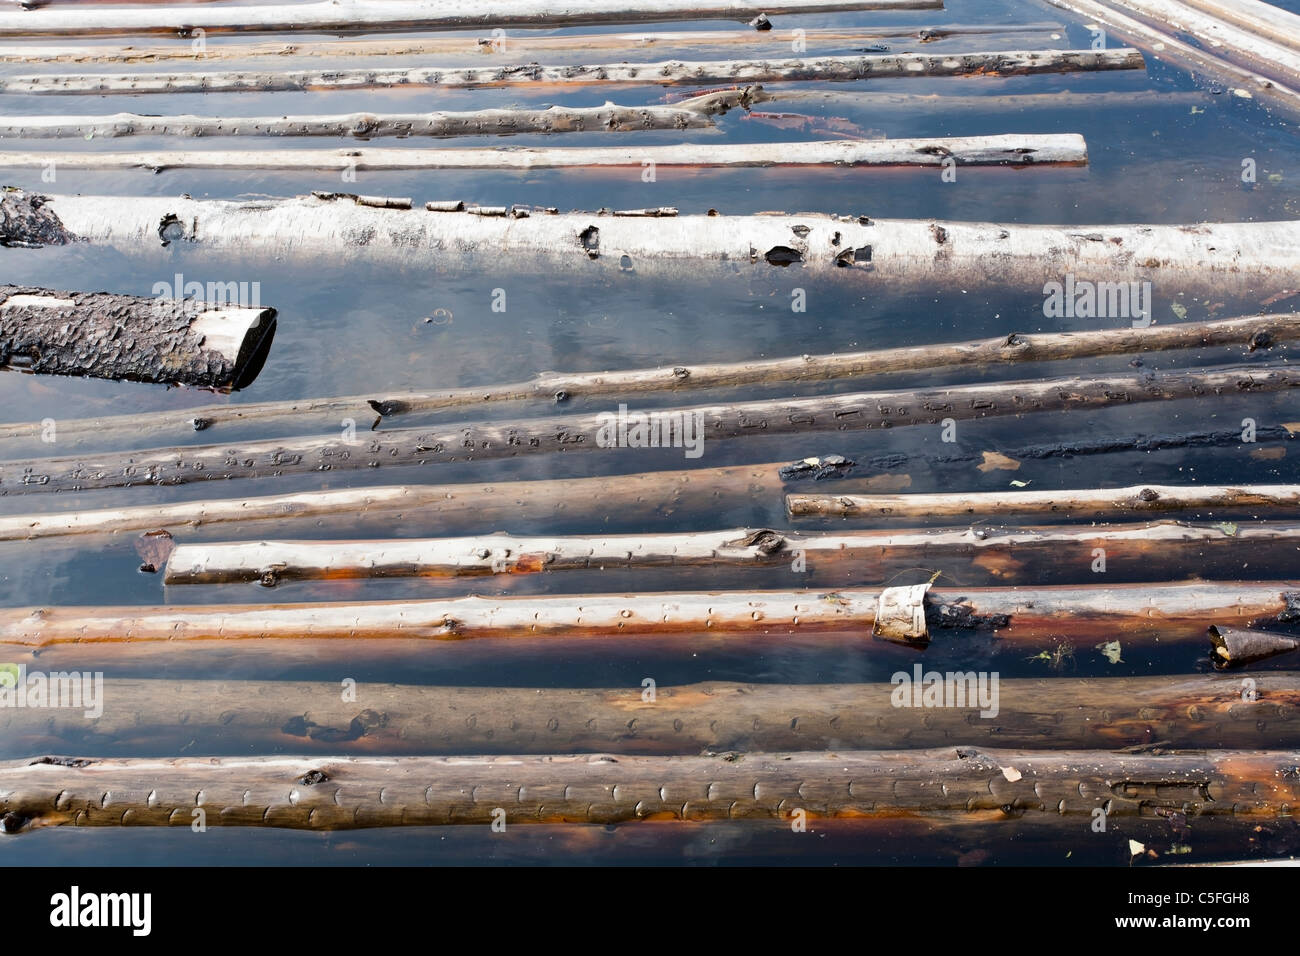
8	675
1180	310
1227	527
1111	652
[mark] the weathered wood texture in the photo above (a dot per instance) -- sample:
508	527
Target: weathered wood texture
1101	503
372	16
976	555
1253	334
664	73
573	433
1248	259
491	122
1003	34
1066	149
236	717
131	338
1249	787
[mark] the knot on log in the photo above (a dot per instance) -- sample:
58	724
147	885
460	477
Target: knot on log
313	777
765	541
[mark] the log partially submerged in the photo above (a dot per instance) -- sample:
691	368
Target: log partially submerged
664	73
1002	619
373	16
1100	503
1247	259
596	432
440	123
234	717
1234	647
1018	151
131	338
1252	789
526	43
1252	333
970	555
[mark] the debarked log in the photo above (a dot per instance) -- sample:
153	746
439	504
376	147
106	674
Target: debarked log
1253	334
1252	788
999	150
676	429
1003	618
980	554
372	16
668	72
234	716
131	338
1246	259
492	122
1100	503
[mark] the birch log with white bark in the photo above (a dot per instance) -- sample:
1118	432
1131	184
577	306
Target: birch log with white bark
1251	333
441	123
1016	150
372	16
599	432
818	38
250	716
1253	790
1100	503
132	338
977	555
664	73
1242	259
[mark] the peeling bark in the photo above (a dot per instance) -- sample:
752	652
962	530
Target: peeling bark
130	338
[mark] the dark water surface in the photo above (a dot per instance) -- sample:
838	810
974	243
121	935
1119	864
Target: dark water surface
353	329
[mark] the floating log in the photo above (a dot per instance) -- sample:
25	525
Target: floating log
969	555
527	43
1003	619
664	73
440	123
1262	19
1252	788
1100	503
373	16
234	717
131	338
1234	647
1248	259
1001	150
599	432
1165	45
1253	333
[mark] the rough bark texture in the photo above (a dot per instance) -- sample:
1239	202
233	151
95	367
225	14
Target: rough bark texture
130	338
977	555
1004	150
372	16
233	717
1254	333
1251	788
668	72
1235	260
1102	503
492	122
468	442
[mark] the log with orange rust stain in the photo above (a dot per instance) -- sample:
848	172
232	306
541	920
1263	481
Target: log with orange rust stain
1249	789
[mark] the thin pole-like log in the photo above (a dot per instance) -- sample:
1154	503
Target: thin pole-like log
1100	503
1242	259
373	16
440	123
664	73
1004	618
998	150
1166	46
1250	788
1253	333
132	338
977	555
1262	19
453	44
692	427
231	717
